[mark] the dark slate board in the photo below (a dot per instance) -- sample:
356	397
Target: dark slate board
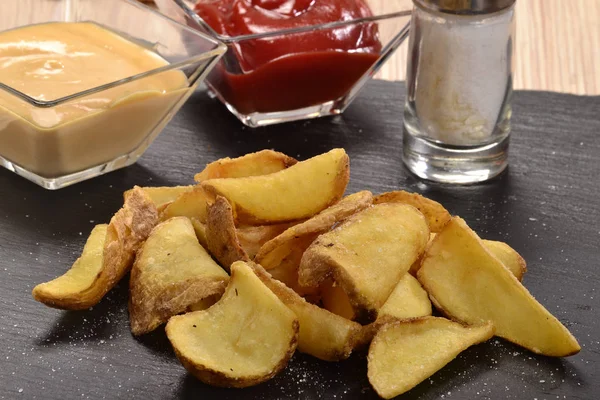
547	206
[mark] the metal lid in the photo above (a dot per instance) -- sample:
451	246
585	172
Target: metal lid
466	6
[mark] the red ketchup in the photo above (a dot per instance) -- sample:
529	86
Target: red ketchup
291	71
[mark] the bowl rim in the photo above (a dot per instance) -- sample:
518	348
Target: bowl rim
329	25
215	54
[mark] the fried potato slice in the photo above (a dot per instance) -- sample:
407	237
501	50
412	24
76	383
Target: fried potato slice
63	292
322	334
106	258
408	300
367	254
502	251
466	282
200	230
204	304
287	270
221	235
405	353
171	273
274	251
437	216
507	256
297	192
162	195
191	204
246	338
252	238
282	255
260	163
336	300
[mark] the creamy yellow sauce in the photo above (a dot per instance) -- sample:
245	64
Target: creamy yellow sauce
50	61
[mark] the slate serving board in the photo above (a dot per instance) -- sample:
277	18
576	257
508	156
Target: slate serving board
547	206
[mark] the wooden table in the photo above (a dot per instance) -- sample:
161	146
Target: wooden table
557	46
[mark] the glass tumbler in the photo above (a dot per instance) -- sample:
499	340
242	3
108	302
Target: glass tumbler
459	88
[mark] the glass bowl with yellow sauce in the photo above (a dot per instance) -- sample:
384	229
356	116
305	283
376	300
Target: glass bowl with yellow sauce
87	85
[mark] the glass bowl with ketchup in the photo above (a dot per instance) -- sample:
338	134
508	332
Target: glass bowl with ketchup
289	60
87	85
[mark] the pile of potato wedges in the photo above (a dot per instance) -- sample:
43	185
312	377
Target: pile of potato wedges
264	256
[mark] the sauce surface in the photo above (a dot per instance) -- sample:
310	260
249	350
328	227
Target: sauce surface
286	72
53	60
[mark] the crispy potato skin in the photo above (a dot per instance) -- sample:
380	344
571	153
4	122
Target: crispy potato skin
219	379
253	238
437	216
286	195
317	318
502	251
191	203
172	301
467	282
277	248
161	195
221	235
127	230
249	283
263	162
59	293
153	301
508	256
408	300
363	255
286	270
405	353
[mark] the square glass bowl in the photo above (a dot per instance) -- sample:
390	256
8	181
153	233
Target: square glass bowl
319	83
35	144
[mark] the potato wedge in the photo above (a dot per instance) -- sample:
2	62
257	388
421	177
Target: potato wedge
106	260
191	204
287	271
466	282
246	338
502	251
405	353
507	256
260	163
63	291
408	300
274	251
322	334
221	235
437	216
162	195
334	299
204	304
252	238
367	254
297	192
172	272
200	230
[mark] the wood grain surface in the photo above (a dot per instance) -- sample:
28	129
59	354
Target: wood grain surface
545	206
557	46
